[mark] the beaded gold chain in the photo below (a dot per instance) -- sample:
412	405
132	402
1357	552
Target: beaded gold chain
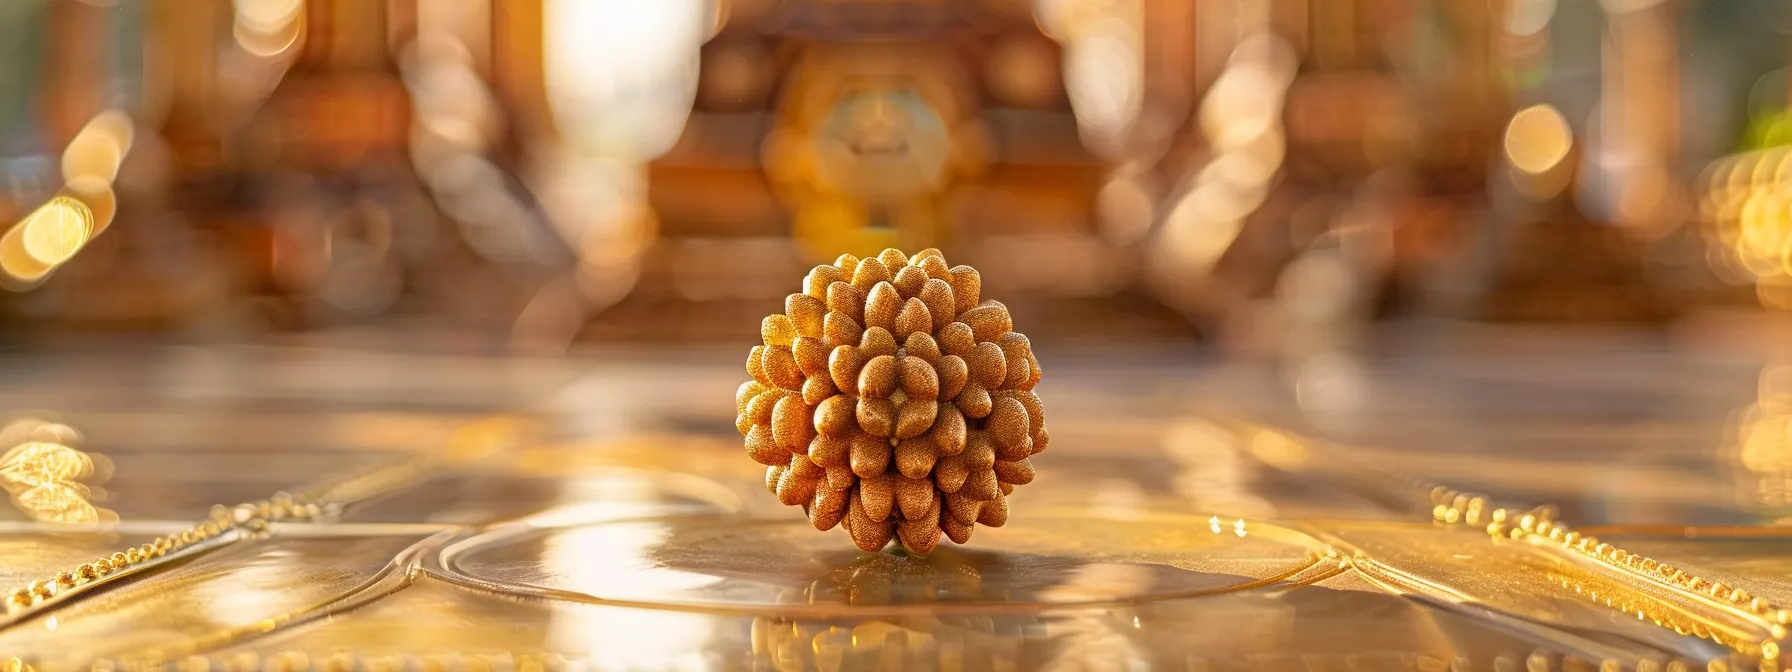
223	526
1540	525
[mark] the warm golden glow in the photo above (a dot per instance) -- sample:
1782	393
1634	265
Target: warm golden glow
1125	206
1746	203
1104	76
268	27
1103	63
1197	239
1241	118
267	16
90	156
44	477
115	127
621	75
1279	451
47	237
55	232
1538	139
97	195
15	263
29	430
39	463
99	148
1763	442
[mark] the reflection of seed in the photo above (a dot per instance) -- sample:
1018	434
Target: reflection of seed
54	232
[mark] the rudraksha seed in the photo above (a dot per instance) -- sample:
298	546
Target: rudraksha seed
891	399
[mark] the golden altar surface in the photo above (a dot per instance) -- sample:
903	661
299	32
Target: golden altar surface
287	508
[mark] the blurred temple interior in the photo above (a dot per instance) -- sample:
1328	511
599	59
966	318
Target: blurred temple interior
556	172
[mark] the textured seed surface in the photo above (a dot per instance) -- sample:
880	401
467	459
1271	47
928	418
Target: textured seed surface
957	338
818	389
915	496
934	266
869	273
941	306
1008	422
763	449
837	416
844	365
893	258
948	432
792	424
759	410
877	416
780	367
974	401
994	513
878	378
988	320
806	313
881	306
892	399
1035	408
816	283
1018	472
914	418
847	300
811	355
840	329
877	495
776	330
922	346
869	456
988	367
967	287
953	373
918	379
829	451
756	365
914	459
950	473
909	281
877	341
827	509
913	319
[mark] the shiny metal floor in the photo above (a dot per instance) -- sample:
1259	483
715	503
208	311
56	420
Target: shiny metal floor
1503	502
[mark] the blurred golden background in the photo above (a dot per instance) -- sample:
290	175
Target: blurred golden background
1308	275
547	173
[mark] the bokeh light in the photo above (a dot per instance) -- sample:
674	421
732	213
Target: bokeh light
268	27
47	479
1529	17
1103	44
1538	139
622	74
1241	120
53	233
1746	206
